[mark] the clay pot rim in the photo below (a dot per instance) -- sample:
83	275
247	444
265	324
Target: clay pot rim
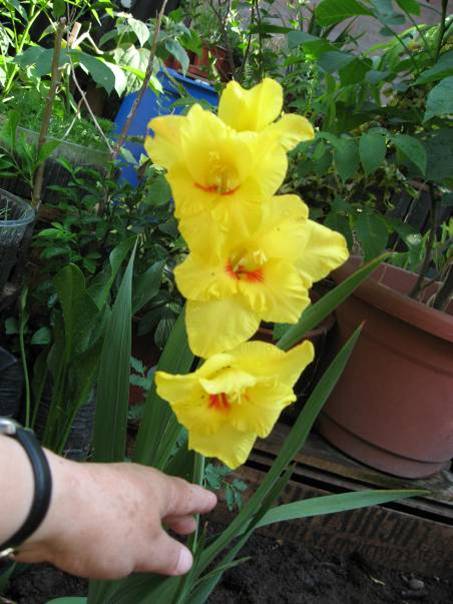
435	322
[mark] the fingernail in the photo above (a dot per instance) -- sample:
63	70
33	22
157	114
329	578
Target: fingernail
185	561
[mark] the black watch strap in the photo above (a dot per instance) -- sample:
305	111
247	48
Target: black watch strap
42	478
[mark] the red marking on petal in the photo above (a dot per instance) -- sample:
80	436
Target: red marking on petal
229	269
219	401
215	189
255	276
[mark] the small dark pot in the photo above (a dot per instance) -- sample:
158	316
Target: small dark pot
79	441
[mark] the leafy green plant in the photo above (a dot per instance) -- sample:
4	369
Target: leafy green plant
384	130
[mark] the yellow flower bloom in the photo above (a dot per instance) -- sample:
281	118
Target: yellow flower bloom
212	167
257	108
234	397
235	278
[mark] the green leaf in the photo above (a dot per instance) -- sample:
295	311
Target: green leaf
112	398
100	287
440	100
412	7
58	8
346	157
331	504
372	233
440	156
42	336
315	313
175	48
334	60
413	149
159	192
372	150
140	29
329	12
340	223
47	149
147	285
442	69
176	358
355	71
98	69
79	310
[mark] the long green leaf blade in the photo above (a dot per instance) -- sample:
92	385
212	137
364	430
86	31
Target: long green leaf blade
331	504
314	314
113	382
176	358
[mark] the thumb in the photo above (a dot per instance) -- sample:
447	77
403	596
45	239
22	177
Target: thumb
166	556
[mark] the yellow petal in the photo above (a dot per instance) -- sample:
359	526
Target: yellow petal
189	402
231	446
267	360
176	388
281	296
283	233
218	325
200	279
262	408
228	381
251	109
292	129
164	148
325	251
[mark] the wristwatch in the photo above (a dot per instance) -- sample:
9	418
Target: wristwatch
42	479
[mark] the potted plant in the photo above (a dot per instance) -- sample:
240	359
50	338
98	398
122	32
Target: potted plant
393	407
15	216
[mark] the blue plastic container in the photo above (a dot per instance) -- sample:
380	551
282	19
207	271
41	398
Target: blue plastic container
153	105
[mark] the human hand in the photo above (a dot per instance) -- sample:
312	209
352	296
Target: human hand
105	520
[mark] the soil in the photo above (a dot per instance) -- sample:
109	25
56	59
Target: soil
277	573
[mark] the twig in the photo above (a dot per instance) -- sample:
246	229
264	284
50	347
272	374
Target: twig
221	19
445	293
141	92
249	44
429	246
90	111
54	82
440	36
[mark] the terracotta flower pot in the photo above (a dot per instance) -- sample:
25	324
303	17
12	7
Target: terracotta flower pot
393	406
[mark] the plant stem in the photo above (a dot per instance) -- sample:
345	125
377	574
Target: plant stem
22	325
146	80
55	80
429	246
445	293
440	36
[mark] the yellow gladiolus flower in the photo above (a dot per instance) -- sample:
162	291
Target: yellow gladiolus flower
234	397
257	109
211	167
235	278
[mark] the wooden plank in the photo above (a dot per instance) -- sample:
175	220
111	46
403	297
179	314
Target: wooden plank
317	453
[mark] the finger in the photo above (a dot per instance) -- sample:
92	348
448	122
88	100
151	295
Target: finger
183	499
184	525
167	557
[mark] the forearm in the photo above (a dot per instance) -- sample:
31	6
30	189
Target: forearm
16	487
